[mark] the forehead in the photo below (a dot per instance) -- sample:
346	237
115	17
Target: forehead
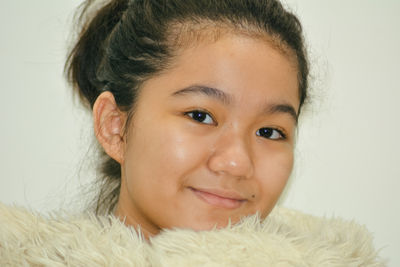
240	64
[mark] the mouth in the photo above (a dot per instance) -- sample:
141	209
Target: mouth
219	198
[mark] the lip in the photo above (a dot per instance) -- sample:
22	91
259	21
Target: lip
220	198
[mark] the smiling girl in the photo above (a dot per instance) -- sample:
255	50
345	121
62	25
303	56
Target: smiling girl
195	106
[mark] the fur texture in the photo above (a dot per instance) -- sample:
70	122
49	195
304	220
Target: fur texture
285	238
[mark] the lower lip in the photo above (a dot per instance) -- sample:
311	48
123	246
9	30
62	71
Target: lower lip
218	201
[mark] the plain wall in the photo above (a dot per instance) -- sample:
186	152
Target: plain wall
347	161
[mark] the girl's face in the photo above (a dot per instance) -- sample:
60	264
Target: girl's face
212	138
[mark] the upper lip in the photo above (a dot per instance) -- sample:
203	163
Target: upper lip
223	193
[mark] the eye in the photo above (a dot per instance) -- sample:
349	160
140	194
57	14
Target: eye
271	133
200	116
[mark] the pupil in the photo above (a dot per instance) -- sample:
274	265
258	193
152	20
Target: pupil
266	132
199	116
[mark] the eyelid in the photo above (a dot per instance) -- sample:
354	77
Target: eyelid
281	132
201	110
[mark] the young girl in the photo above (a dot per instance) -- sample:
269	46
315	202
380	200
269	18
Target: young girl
195	104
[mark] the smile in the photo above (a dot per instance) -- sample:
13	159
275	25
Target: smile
219	198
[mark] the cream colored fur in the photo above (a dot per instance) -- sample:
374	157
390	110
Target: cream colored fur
285	238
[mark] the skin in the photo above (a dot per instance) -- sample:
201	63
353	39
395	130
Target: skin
194	157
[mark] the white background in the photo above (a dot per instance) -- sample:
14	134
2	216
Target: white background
347	153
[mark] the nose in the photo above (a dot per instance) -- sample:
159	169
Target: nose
231	156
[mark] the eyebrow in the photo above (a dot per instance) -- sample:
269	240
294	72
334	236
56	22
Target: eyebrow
207	91
228	99
282	108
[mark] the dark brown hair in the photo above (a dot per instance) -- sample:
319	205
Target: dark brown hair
122	43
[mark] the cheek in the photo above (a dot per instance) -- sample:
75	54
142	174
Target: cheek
272	176
159	161
162	155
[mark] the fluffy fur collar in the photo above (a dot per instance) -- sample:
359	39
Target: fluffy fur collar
285	238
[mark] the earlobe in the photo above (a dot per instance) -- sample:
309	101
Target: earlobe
109	123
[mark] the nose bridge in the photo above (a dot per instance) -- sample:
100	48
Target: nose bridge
232	154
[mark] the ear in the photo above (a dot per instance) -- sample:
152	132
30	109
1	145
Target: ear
109	123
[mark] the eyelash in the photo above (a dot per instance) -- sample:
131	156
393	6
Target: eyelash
282	136
202	113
